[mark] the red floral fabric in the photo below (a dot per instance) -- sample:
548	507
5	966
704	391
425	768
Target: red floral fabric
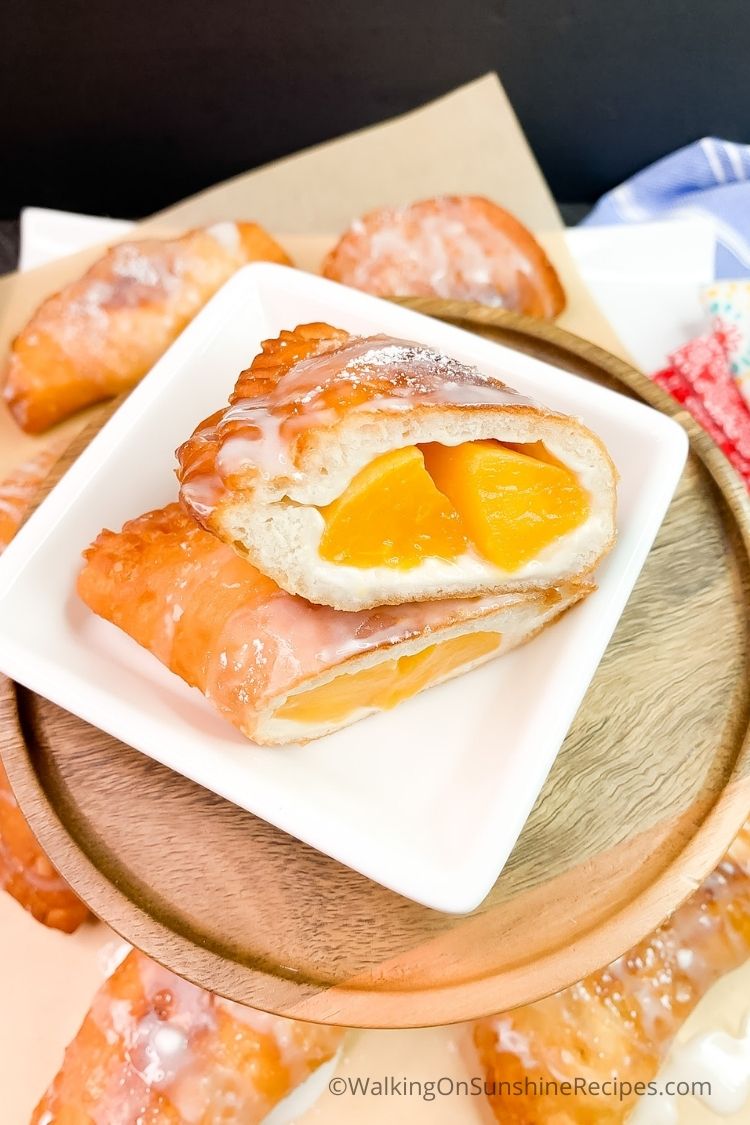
699	376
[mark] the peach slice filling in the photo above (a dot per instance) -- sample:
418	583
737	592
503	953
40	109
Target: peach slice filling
386	684
512	504
508	501
391	514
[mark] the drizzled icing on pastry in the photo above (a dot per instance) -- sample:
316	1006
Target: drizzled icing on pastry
210	616
376	371
103	331
619	1022
455	247
154	1047
455	253
258	432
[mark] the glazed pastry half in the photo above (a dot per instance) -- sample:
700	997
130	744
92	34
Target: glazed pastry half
157	1050
99	335
460	247
276	666
618	1023
371	471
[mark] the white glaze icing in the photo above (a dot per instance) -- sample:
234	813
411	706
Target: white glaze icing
719	1059
264	642
289	1110
251	449
227	235
154	1046
448	247
111	956
258	433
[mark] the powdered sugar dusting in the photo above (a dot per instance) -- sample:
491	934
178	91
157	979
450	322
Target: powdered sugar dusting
227	235
130	264
454	247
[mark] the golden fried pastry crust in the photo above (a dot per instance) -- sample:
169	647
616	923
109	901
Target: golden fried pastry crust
27	874
228	630
618	1023
156	1050
99	335
459	247
20	488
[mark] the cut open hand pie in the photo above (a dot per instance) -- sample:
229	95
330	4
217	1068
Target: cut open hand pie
370	471
276	666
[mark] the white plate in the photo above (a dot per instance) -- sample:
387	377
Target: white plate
428	799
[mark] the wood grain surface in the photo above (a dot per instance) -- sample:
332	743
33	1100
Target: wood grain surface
651	785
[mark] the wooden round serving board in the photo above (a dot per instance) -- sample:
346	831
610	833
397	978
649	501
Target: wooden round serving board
649	789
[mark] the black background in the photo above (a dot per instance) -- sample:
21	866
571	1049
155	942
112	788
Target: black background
123	108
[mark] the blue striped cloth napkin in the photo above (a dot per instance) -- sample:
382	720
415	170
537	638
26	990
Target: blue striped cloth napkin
710	178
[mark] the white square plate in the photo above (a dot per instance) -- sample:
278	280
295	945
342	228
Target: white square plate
428	799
